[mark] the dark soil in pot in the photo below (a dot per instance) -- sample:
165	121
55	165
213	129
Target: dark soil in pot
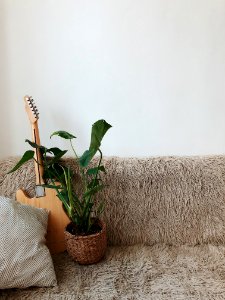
74	230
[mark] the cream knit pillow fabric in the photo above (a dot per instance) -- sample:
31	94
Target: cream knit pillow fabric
24	258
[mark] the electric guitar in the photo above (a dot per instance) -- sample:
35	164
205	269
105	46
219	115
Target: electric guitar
45	198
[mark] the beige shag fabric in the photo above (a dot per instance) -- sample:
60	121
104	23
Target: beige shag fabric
171	213
138	273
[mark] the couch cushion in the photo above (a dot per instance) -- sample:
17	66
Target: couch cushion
172	200
157	272
24	258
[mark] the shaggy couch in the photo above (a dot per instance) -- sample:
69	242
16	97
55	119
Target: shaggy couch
166	232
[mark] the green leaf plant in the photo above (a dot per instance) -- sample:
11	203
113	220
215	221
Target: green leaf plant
81	206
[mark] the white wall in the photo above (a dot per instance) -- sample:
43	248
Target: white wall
154	69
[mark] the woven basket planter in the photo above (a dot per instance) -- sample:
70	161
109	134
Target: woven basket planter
88	249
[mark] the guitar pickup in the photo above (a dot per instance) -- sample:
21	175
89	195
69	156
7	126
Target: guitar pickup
40	191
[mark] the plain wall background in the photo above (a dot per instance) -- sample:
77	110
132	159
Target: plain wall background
154	69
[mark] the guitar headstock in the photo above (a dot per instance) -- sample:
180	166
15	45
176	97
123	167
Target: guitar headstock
31	109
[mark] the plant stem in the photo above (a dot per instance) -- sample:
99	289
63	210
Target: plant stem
99	163
73	149
80	168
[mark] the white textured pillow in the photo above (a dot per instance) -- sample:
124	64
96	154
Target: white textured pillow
24	258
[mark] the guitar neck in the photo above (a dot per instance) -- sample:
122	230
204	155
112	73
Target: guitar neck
39	171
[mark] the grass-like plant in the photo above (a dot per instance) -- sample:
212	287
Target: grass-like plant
79	204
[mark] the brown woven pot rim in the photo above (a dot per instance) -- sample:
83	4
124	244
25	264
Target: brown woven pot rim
103	225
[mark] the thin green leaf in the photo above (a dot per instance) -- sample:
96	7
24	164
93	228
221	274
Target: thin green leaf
27	156
51	186
100	208
63	134
94	182
76	220
87	210
65	203
93	190
77	204
90	223
94	171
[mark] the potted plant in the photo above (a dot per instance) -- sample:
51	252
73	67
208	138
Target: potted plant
85	235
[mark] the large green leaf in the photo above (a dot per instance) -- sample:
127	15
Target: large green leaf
54	171
99	129
55	150
86	158
63	134
57	157
34	145
42	149
27	156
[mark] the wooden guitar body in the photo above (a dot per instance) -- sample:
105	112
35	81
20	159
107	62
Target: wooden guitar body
57	220
45	198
